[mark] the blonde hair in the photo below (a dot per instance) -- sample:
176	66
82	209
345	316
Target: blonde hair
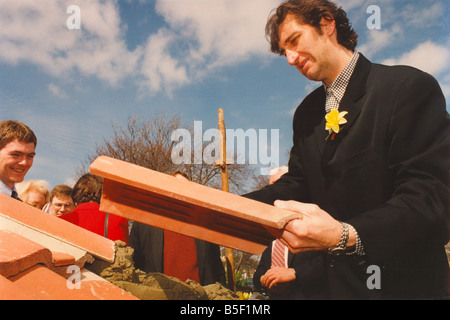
41	186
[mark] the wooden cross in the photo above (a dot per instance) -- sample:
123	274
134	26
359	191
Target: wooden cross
223	163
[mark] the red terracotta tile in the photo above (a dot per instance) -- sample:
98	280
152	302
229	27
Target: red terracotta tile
18	254
11	291
62	259
193	222
57	230
189	208
30	270
44	284
102	289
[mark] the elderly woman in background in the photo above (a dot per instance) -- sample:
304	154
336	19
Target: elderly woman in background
34	192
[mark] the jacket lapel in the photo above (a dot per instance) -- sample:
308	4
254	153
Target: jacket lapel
319	131
355	90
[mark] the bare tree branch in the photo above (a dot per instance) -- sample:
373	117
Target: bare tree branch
147	142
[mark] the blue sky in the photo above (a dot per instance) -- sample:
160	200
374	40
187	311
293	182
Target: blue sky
178	57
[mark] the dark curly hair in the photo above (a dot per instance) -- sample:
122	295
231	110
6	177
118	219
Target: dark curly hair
311	12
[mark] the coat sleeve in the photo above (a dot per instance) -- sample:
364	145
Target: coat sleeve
210	265
415	215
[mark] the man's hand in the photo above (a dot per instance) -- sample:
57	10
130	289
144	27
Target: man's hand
277	275
316	231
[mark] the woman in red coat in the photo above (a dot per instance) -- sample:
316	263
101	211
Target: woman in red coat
86	194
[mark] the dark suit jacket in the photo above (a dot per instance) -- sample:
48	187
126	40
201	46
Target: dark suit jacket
309	284
385	173
148	244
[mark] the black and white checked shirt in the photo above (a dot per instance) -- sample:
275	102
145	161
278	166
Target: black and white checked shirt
334	94
336	90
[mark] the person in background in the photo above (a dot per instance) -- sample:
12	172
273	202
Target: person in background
61	201
284	275
17	150
177	255
86	194
34	192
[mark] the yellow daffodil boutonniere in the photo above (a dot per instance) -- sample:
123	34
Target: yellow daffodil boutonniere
334	121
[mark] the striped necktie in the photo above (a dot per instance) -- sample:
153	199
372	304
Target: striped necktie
278	250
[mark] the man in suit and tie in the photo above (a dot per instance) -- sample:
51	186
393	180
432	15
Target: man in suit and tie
284	275
17	151
368	167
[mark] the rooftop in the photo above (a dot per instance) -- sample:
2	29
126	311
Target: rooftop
43	257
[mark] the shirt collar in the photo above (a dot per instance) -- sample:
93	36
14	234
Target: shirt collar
5	189
339	85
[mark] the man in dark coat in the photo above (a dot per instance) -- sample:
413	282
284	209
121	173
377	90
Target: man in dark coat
174	254
149	248
368	168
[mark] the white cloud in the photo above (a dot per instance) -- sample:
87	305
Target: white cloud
427	56
36	32
426	16
159	69
380	39
56	91
204	35
220	32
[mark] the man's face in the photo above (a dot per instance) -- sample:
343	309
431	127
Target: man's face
61	205
16	158
305	48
